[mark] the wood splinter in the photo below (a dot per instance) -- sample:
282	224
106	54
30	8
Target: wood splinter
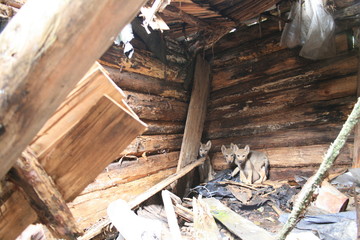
43	196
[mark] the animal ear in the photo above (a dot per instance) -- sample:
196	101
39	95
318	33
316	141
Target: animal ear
223	148
235	147
208	144
232	145
247	148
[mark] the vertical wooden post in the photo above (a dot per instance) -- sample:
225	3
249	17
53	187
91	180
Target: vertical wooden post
44	51
194	122
356	155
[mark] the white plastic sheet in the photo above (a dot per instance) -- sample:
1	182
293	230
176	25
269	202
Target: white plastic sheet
311	27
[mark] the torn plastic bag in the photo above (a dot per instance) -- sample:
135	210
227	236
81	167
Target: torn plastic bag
312	27
329	226
320	39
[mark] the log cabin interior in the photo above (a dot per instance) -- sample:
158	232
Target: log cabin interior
193	70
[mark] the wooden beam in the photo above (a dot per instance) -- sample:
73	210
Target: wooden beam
44	196
45	49
196	114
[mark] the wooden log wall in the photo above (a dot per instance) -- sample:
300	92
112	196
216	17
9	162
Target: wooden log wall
155	92
268	97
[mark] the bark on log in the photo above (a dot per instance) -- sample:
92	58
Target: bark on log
44	196
148	85
30	73
156	108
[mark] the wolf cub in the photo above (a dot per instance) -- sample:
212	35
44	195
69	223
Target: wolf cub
253	165
205	170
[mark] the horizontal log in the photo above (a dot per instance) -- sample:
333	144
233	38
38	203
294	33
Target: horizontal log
290	173
312	114
285	64
153	144
269	102
323	134
148	85
141	62
164	127
83	206
259	49
152	107
242	35
128	171
292	157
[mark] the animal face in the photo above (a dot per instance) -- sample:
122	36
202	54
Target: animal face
241	155
204	149
228	153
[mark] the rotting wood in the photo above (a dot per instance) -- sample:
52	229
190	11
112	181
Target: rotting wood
44	197
54	46
152	107
204	224
145	195
305	194
194	121
236	224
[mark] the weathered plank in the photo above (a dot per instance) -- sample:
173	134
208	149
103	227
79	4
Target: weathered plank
33	67
107	123
196	113
235	223
86	94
